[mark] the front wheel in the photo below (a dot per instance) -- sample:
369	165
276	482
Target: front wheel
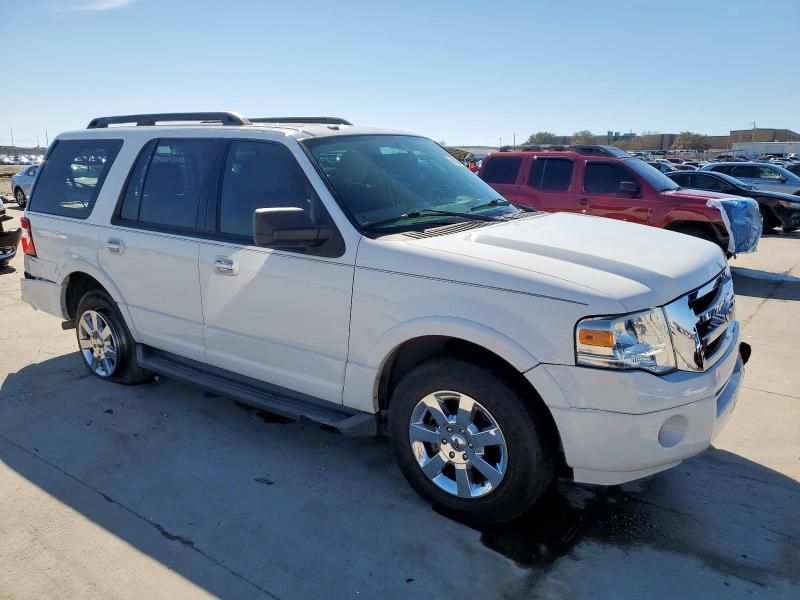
19	196
469	443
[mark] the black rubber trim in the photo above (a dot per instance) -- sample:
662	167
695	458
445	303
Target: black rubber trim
257	393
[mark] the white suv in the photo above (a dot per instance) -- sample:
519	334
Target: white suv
365	279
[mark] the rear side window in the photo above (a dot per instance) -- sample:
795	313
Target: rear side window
682	179
743	171
168	182
73	176
551	174
260	175
501	169
604	178
709	182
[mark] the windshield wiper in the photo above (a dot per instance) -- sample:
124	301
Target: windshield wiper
426	212
495	202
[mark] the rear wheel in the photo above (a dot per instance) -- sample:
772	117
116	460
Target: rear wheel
106	345
466	441
19	196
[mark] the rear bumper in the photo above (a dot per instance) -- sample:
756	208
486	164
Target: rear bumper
608	448
43	295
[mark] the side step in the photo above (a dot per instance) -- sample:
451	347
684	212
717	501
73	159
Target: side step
257	393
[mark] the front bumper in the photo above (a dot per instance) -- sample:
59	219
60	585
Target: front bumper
607	447
8	244
789	217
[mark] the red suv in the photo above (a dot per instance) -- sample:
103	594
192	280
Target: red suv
602	181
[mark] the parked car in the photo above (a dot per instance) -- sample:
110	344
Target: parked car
604	181
8	239
366	279
21	184
684	167
764	176
793	167
662	165
777	209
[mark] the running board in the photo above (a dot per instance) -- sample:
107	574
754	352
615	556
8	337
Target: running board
256	393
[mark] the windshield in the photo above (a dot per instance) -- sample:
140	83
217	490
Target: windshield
389	180
651	175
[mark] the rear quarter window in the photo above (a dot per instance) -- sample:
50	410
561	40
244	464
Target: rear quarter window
73	176
501	169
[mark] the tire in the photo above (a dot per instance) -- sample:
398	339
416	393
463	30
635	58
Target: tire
768	222
525	461
19	196
702	233
100	329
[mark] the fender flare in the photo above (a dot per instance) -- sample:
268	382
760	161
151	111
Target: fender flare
463	329
79	265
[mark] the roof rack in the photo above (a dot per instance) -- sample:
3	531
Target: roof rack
302	120
587	149
149	120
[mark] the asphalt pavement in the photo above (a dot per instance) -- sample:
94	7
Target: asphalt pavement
165	491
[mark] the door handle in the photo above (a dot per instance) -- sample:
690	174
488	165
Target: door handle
225	265
584	202
115	245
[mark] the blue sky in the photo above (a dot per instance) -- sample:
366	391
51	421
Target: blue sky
463	72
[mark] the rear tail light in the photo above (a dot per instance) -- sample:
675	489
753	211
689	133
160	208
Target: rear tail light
27	237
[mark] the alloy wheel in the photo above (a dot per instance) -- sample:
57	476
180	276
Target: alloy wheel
458	444
98	343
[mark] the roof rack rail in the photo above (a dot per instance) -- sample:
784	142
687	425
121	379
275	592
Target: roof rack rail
587	149
302	120
149	120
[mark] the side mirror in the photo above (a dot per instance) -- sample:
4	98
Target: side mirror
782	179
287	227
627	188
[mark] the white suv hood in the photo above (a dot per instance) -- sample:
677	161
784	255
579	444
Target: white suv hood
595	261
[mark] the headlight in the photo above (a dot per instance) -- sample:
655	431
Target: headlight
637	341
790	203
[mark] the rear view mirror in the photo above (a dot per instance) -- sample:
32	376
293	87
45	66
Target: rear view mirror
627	188
287	227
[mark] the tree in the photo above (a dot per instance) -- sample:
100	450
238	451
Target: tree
583	137
542	137
443	144
623	144
687	140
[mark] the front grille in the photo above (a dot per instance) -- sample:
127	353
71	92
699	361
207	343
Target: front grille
702	323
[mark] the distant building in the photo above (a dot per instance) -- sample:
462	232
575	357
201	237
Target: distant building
756	149
656	141
761	134
719	142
